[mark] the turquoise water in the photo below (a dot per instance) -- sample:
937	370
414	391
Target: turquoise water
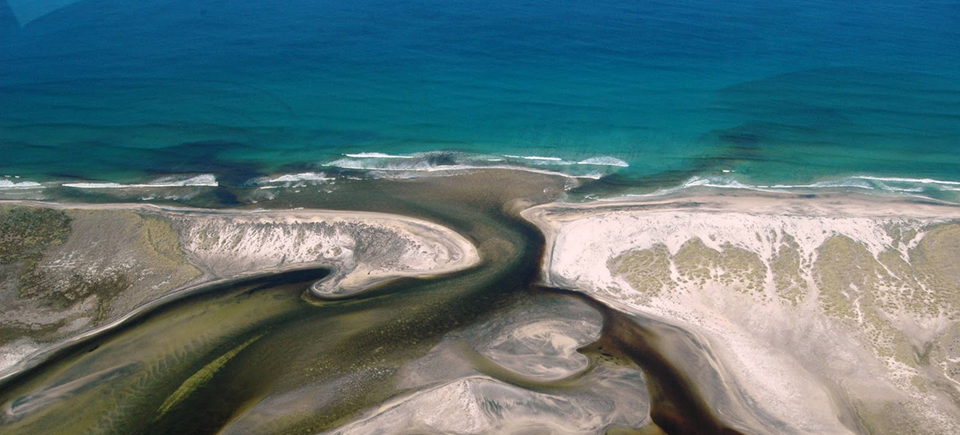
755	93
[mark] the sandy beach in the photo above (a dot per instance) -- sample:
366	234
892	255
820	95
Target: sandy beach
823	314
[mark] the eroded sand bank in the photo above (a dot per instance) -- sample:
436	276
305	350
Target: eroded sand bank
95	264
824	315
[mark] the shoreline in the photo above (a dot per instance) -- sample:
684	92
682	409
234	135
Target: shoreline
629	186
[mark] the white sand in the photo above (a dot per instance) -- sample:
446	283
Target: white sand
786	359
364	248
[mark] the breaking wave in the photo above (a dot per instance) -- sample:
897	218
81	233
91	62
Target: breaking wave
604	161
376	156
292	180
10	184
405	166
922	187
204	180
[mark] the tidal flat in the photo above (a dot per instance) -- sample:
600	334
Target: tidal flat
479	303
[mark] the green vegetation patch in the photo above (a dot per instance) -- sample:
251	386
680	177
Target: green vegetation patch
855	287
845	272
731	266
695	261
890	417
742	267
201	377
948	348
937	261
646	270
786	265
160	237
26	231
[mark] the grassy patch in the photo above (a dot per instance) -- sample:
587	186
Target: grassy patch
646	270
732	266
26	231
786	265
937	261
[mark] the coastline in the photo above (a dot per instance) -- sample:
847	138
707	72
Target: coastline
826	350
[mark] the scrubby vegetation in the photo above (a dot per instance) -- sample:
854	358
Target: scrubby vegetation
26	231
898	297
66	269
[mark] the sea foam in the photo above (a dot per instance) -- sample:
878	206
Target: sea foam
551	159
907	180
869	184
604	161
204	180
366	155
8	184
446	161
293	178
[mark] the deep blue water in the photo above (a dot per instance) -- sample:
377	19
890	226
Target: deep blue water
791	92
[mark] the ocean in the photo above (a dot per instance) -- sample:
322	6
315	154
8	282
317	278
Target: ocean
653	95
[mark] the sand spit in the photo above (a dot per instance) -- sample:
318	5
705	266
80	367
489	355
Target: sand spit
823	315
363	248
71	269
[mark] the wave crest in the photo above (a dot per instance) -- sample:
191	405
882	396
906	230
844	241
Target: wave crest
203	180
604	161
10	185
937	189
380	164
